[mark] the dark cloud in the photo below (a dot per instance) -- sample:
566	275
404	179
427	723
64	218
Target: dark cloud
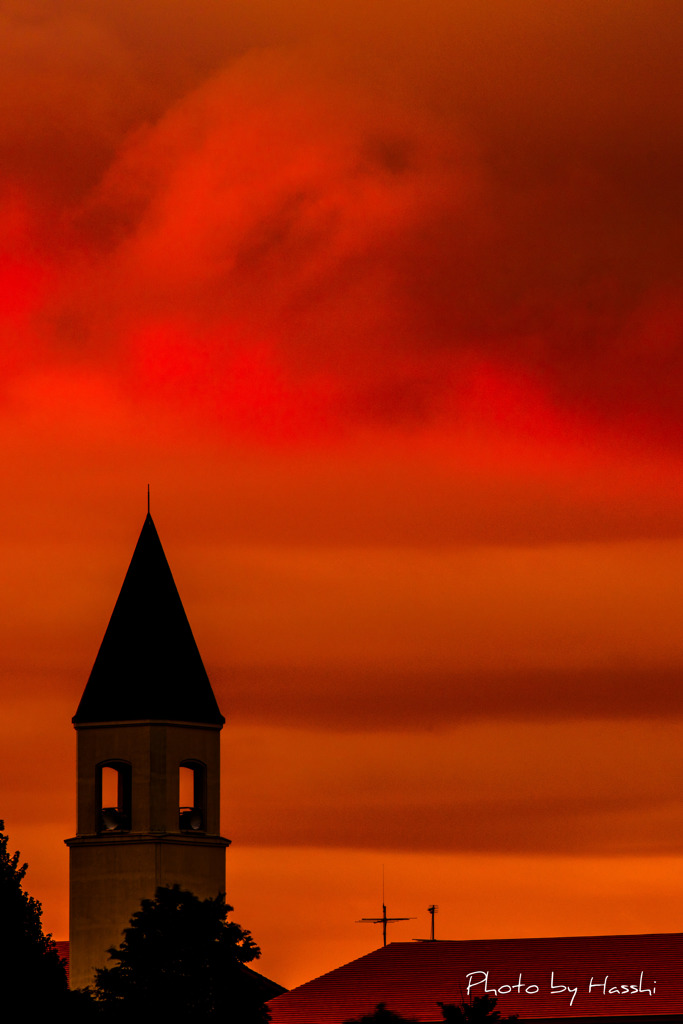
374	195
562	788
577	826
360	698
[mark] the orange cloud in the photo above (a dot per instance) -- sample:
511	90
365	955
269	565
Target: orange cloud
450	187
383	300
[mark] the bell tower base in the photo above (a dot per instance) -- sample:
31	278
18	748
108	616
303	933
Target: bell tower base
110	877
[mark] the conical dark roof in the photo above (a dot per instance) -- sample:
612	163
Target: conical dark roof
148	666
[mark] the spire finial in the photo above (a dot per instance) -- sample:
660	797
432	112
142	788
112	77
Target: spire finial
147	499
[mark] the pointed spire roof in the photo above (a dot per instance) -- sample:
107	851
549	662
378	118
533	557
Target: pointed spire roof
148	666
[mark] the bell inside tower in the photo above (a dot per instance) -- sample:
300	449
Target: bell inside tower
191	796
113	783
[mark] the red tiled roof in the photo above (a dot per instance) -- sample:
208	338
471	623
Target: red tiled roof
410	977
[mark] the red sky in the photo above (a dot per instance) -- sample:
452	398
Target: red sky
384	301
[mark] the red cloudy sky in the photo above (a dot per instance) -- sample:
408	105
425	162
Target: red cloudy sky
384	300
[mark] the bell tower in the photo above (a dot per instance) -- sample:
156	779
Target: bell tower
148	734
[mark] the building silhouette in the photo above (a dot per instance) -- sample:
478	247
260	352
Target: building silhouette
602	979
148	733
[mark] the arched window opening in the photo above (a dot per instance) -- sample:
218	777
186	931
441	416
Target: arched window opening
191	796
113	796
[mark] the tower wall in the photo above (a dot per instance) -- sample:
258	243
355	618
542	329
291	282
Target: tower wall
111	871
155	752
110	877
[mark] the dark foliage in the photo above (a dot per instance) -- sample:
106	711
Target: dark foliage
381	1015
32	975
182	960
482	1008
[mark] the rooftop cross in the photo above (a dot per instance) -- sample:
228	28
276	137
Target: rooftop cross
384	921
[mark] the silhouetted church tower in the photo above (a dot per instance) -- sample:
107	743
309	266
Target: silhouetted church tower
148	730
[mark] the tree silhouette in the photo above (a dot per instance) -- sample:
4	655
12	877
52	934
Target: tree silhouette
182	960
482	1008
381	1015
31	971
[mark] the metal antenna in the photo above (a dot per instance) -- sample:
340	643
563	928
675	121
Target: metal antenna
432	910
383	920
147	499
